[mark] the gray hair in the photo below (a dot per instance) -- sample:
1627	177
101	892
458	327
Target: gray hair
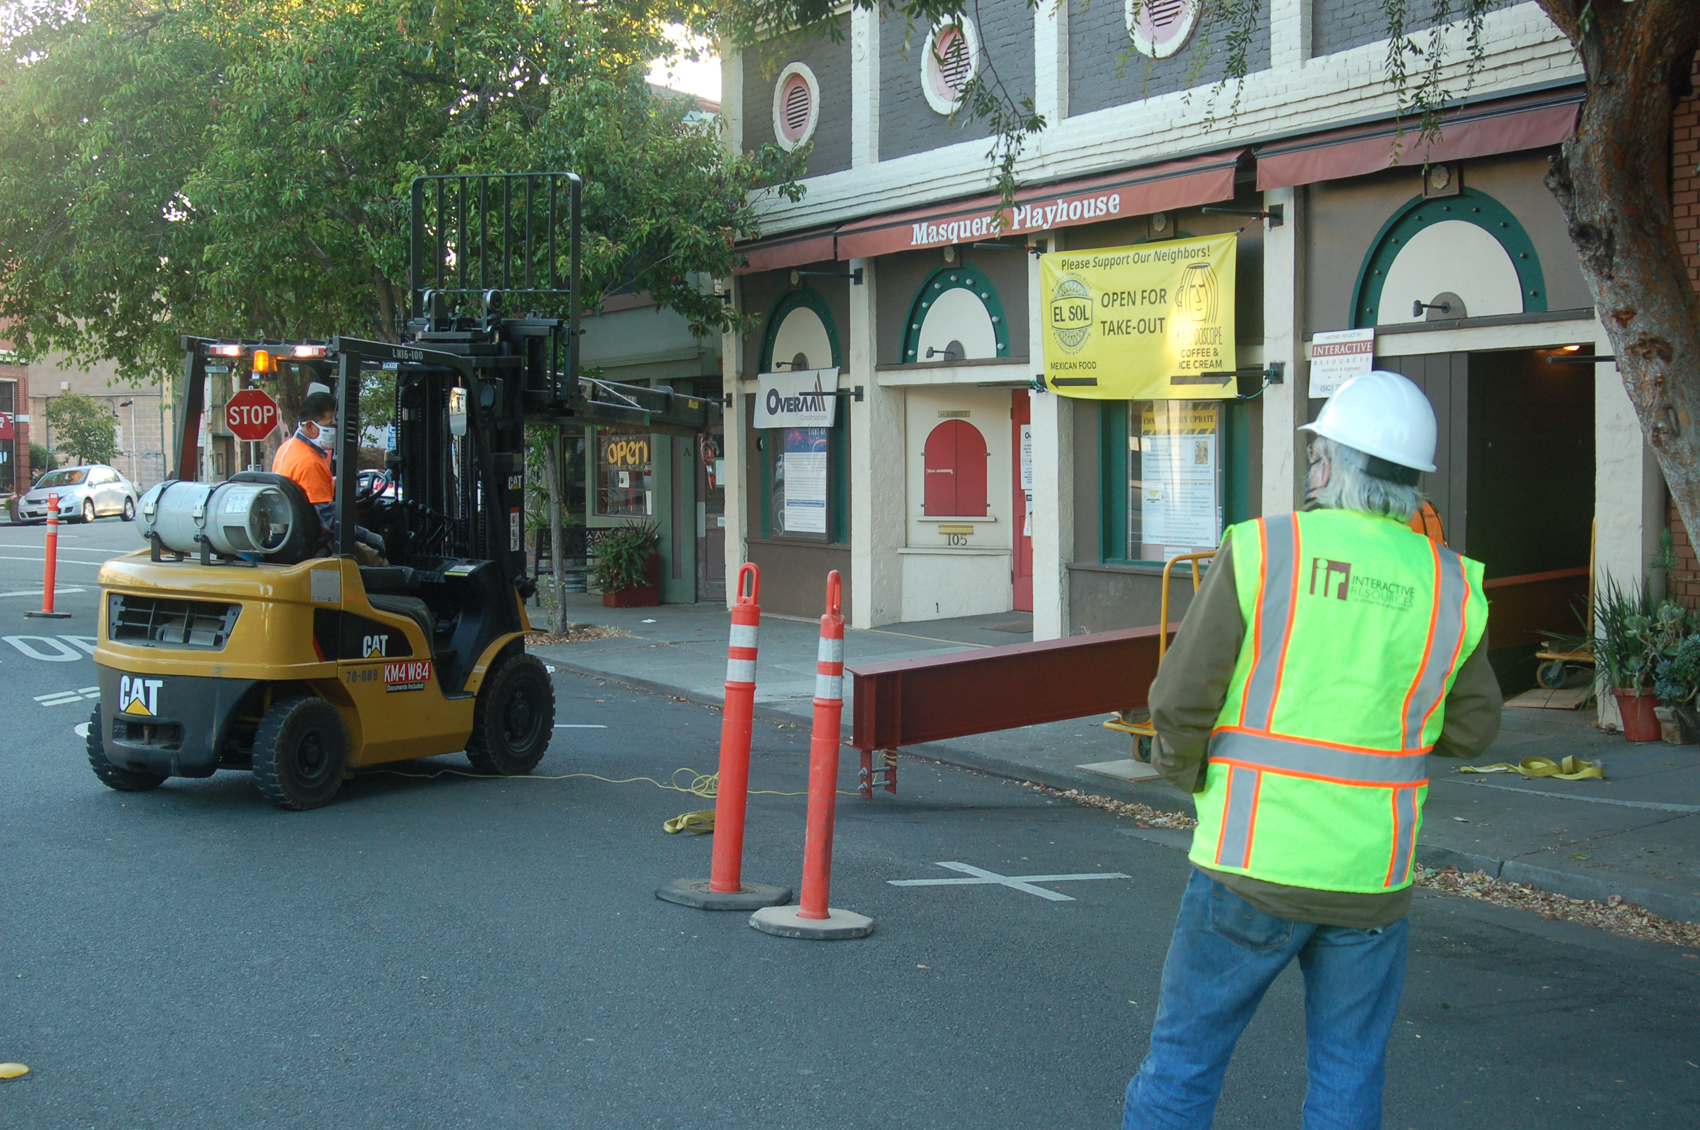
1351	487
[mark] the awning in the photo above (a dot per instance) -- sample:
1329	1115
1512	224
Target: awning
793	249
1527	122
1132	192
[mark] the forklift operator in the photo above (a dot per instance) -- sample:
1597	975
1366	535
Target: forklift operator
305	457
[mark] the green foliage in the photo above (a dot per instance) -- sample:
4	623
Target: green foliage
1634	636
85	428
203	167
622	556
1679	675
40	460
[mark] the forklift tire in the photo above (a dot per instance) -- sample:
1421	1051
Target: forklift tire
300	752
1552	675
124	780
514	717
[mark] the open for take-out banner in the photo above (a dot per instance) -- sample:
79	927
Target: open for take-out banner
1152	322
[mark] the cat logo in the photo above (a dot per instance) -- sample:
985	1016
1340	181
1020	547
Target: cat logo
139	696
374	647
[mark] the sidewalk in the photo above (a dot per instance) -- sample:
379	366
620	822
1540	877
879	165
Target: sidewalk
1635	834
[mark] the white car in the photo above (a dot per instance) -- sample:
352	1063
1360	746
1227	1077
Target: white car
87	492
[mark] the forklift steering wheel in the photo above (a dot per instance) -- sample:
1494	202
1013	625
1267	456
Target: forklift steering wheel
372	484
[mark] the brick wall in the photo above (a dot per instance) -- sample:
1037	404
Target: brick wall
908	123
1106	70
1683	579
831	64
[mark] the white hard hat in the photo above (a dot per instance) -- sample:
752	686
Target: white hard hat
1381	414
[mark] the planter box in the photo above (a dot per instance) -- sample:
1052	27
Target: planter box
638	596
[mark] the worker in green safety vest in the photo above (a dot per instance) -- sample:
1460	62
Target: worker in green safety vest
1326	656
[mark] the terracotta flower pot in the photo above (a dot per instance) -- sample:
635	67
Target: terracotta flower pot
1640	724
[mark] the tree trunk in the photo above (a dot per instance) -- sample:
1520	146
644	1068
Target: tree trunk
552	472
1612	182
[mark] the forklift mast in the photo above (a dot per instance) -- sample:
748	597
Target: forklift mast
491	343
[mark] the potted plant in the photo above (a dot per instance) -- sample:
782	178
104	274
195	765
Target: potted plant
628	566
1634	637
1678	684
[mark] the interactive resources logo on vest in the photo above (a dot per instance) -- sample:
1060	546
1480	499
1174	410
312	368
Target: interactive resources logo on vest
1329	578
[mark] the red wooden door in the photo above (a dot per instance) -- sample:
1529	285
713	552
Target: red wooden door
1021	564
954	461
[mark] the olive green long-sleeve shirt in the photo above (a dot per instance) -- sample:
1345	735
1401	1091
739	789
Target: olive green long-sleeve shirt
1187	697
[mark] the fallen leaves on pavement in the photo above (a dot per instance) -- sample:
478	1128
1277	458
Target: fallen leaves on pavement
575	633
1626	919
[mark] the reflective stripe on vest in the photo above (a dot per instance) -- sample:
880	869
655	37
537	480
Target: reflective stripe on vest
1336	763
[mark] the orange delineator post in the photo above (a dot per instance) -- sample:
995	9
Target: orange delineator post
813	918
732	793
725	888
50	573
823	754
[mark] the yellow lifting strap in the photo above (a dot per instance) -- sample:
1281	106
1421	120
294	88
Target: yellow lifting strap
1572	768
700	822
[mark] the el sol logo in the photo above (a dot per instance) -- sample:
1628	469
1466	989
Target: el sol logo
1070	313
411	675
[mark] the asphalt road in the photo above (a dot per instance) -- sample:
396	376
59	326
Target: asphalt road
472	953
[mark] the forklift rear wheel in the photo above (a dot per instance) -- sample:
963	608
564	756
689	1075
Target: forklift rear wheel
1552	675
124	780
514	717
300	752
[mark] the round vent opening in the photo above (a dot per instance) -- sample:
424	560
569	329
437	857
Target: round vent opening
796	106
949	63
1161	27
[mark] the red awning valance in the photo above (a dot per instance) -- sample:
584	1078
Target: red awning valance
1527	122
1132	192
790	250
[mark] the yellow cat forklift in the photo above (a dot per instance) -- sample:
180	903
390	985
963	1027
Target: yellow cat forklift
247	635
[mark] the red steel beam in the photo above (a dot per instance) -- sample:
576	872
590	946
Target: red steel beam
907	701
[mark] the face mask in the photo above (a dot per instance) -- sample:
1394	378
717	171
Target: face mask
322	441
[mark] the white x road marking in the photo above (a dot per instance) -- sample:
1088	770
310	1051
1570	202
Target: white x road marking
982	877
60	697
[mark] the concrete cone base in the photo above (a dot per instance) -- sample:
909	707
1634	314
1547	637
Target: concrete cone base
837	925
695	893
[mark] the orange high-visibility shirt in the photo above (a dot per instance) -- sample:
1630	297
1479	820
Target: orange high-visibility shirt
1426	521
308	466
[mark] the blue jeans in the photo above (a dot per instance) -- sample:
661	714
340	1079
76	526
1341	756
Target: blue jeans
1224	955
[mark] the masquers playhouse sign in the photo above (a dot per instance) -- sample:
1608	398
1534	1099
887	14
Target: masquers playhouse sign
1151	322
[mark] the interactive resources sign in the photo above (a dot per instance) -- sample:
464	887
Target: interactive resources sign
1151	322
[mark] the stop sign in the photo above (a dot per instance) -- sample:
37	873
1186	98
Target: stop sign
251	414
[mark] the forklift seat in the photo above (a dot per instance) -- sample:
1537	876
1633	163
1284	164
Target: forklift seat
389	578
410	606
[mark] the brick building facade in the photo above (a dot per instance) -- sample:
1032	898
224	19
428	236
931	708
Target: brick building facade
1682	580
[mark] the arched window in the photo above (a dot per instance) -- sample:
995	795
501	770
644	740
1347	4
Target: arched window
1462	256
954	463
956	316
801	333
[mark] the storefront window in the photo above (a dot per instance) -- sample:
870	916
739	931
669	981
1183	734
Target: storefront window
625	485
798	507
1174	468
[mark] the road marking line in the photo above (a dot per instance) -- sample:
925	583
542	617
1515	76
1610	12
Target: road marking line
81	729
62	561
579	726
1024	883
57	591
